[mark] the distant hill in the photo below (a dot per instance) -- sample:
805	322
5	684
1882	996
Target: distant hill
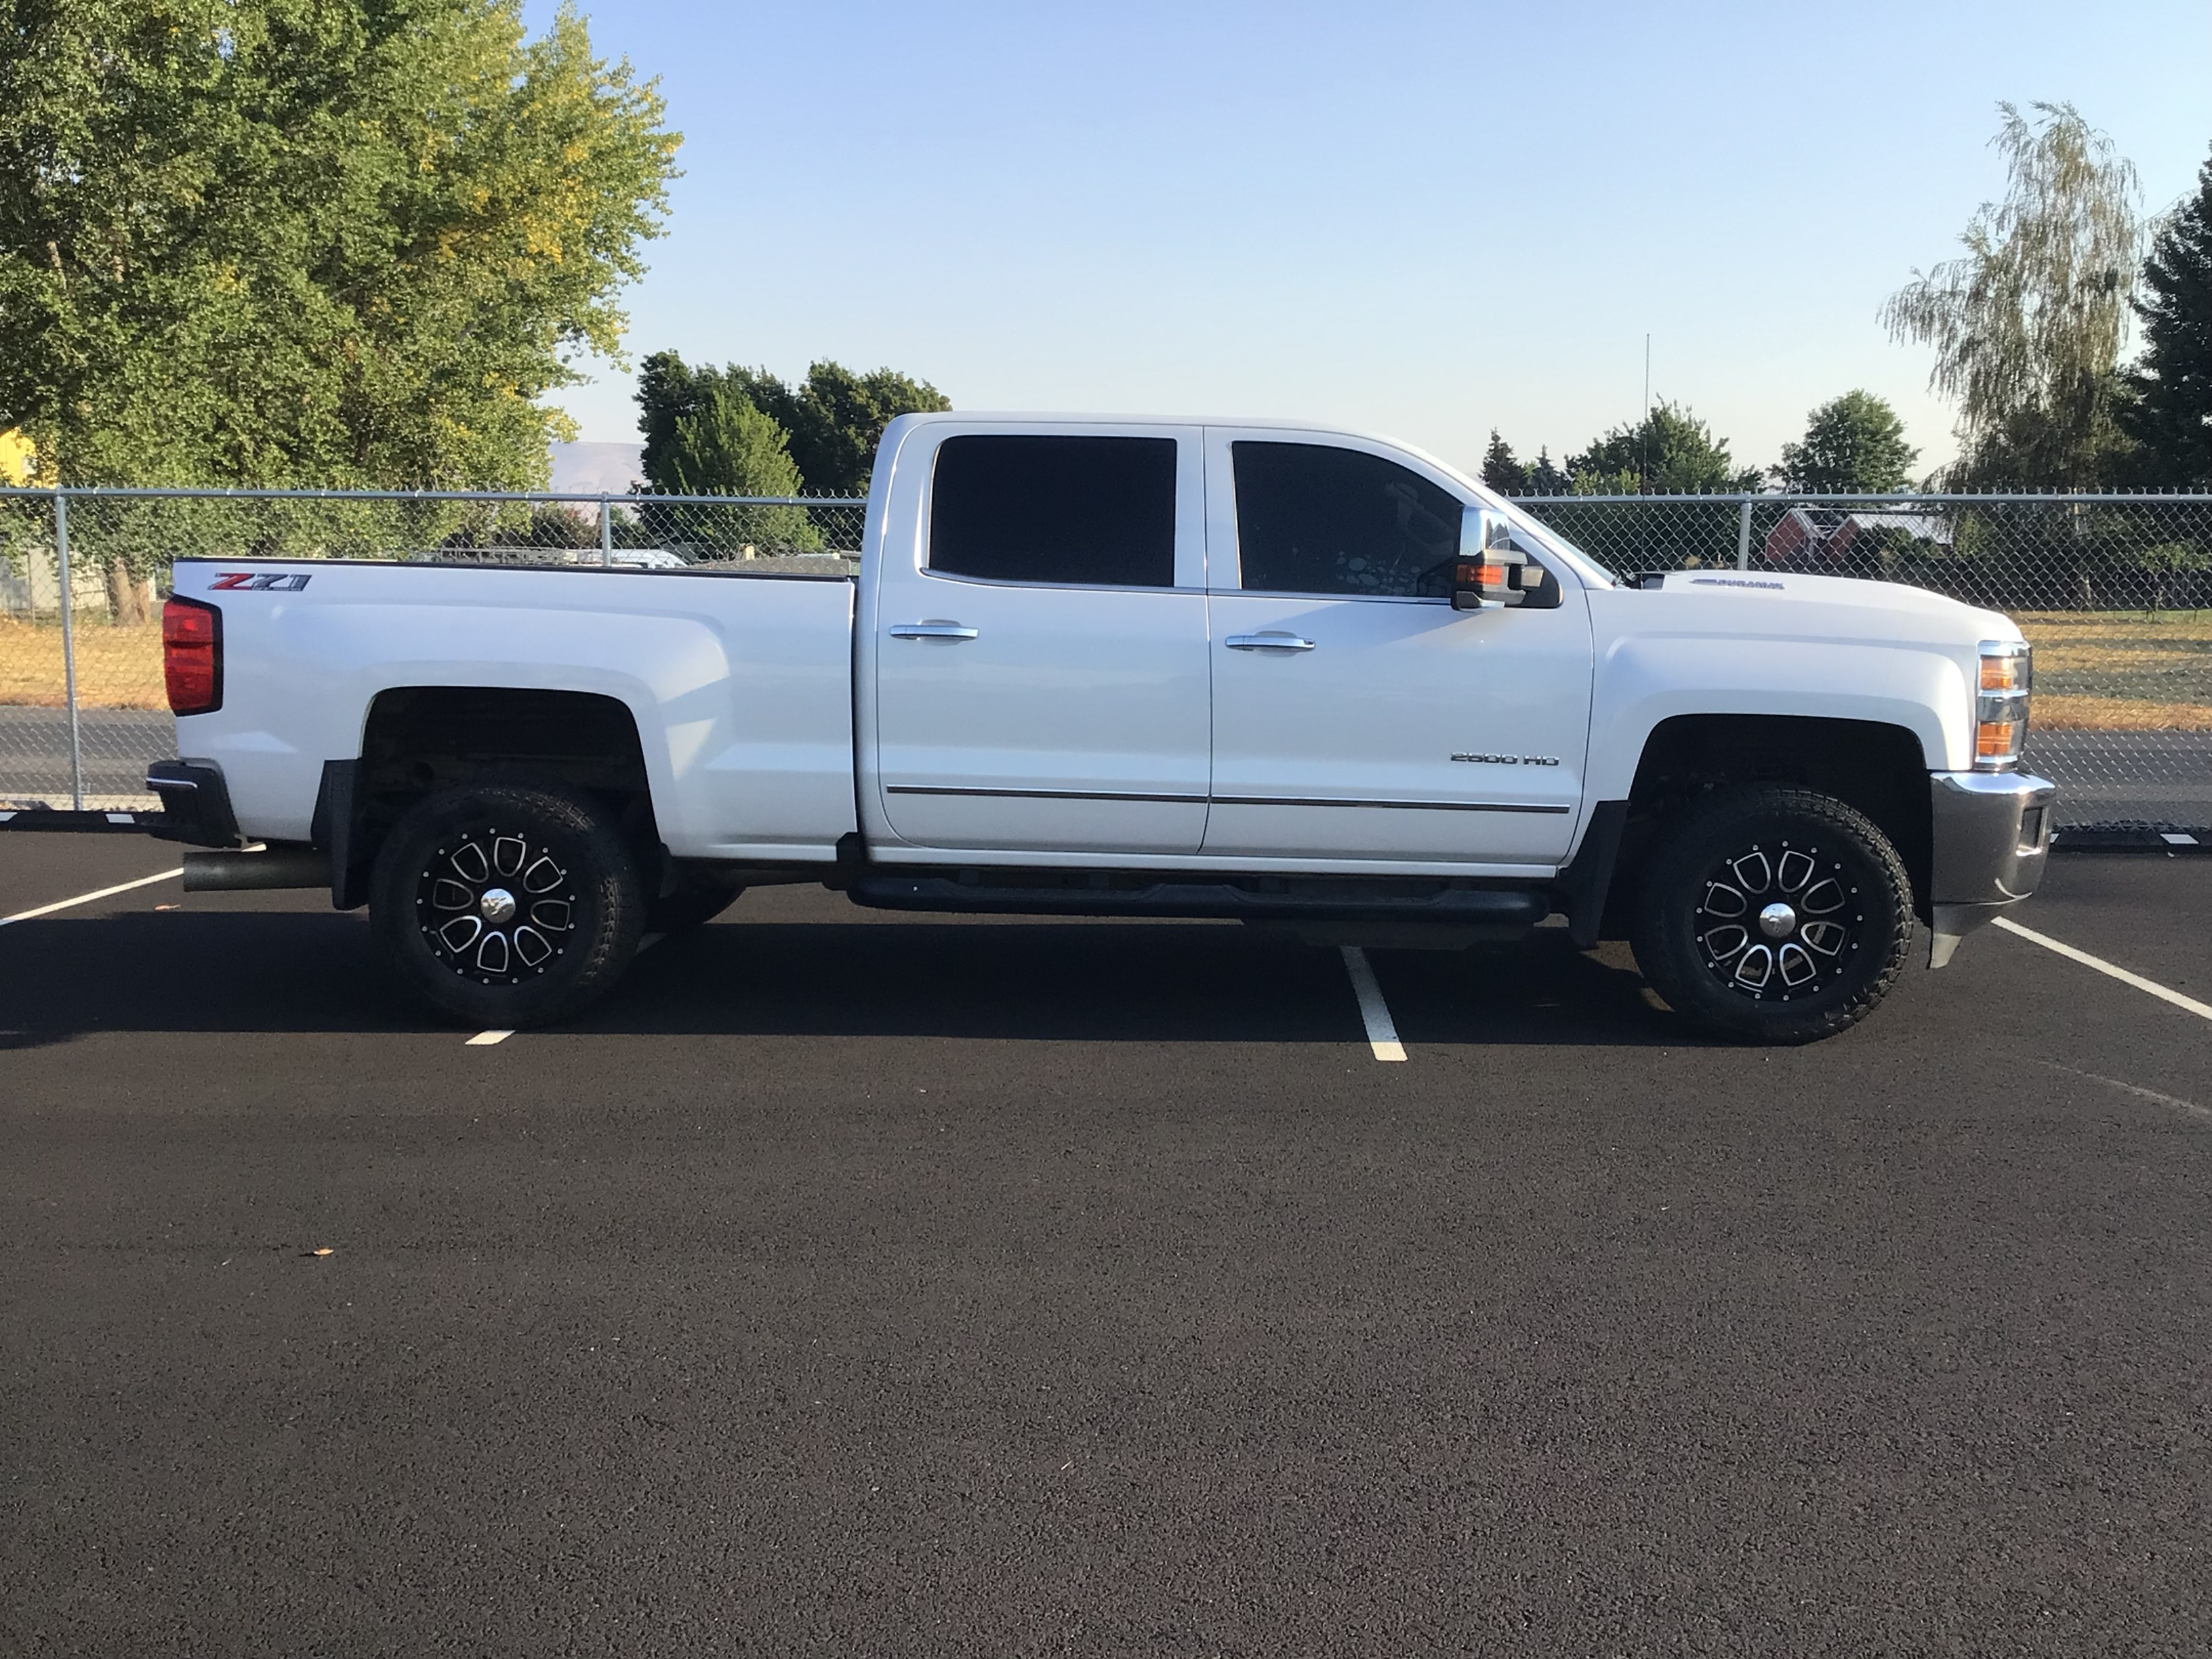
596	468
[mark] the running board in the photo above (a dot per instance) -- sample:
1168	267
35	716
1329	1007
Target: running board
1281	900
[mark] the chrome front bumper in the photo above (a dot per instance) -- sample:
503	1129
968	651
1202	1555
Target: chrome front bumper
1992	837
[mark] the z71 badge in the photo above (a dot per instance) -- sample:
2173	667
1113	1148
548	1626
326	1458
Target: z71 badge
265	583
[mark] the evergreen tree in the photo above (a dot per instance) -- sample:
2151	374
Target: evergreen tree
1500	471
1547	479
2169	413
1854	442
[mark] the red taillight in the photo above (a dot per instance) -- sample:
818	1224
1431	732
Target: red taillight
191	656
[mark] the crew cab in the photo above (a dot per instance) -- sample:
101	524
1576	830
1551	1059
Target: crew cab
1156	667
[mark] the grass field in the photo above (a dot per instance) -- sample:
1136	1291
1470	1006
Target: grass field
2105	670
116	667
2121	671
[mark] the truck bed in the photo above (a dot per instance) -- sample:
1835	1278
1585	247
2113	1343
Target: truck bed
739	680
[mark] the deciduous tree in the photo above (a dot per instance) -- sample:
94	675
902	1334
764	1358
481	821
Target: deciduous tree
833	420
727	447
1854	442
311	242
2028	326
1670	452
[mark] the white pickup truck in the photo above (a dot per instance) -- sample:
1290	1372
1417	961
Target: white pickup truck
1121	667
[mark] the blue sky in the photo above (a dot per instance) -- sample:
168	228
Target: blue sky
1424	220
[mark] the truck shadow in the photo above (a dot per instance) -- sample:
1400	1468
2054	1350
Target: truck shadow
304	971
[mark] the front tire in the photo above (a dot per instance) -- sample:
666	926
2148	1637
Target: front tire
507	907
1772	914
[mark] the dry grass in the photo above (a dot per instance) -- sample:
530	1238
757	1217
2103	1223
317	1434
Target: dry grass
2055	713
2121	671
116	667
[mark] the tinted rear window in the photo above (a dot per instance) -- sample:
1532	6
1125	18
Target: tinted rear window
1097	510
1314	519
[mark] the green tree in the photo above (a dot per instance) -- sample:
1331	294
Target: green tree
837	418
1854	442
311	242
1500	471
833	419
727	447
1546	478
2169	413
1670	452
2028	327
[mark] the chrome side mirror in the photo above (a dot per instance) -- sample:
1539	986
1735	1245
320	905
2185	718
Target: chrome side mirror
1492	569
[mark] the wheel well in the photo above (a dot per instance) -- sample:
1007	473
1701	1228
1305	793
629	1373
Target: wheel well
421	738
1878	768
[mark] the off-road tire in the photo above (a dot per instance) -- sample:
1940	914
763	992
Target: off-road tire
1812	849
572	867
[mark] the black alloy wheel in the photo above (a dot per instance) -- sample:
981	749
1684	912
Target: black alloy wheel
497	907
507	907
1773	914
1779	920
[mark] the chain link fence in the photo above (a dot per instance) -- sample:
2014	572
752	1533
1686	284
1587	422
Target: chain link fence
2115	591
83	572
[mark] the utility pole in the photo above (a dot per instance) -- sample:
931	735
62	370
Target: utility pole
1644	433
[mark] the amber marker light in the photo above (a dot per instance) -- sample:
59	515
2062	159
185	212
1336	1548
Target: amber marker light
2001	705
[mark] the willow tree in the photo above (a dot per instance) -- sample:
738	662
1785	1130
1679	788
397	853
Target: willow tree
2029	324
315	242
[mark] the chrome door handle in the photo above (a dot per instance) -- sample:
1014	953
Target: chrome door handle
931	630
1268	642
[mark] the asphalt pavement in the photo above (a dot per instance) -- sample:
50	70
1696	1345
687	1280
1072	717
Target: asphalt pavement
852	1284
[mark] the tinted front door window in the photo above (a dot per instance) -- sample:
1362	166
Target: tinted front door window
1312	519
1098	512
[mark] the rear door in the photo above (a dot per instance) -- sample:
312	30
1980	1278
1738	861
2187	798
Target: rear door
1356	714
1041	654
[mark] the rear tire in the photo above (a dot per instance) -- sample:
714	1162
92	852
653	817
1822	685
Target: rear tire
507	907
1772	914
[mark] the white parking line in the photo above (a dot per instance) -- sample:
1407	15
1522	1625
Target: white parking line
2199	1009
1382	1033
86	898
2174	1101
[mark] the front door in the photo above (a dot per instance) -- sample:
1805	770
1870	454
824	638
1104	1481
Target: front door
1041	663
1356	714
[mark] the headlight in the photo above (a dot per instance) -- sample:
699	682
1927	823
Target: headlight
2001	705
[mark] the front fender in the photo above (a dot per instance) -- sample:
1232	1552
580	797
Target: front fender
1644	680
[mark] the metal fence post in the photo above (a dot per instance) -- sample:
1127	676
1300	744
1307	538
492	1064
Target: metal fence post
69	651
606	532
1743	535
